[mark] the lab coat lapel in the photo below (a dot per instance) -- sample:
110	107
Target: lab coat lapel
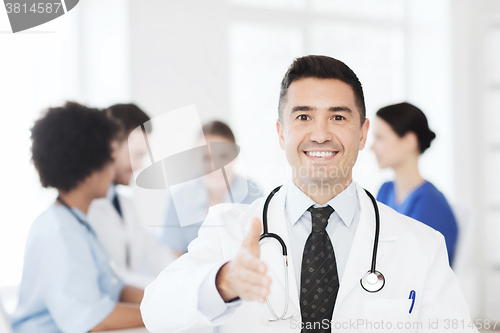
360	255
271	251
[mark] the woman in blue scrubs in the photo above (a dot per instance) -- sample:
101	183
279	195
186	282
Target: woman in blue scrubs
68	284
402	134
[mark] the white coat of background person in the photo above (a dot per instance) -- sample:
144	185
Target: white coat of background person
225	276
138	254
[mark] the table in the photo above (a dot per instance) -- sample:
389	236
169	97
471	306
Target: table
128	330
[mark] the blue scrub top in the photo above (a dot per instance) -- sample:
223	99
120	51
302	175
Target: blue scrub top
67	283
428	205
192	201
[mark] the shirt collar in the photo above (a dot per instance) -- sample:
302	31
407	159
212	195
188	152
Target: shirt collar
111	192
73	210
80	214
345	203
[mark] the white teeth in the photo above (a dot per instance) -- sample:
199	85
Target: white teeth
319	153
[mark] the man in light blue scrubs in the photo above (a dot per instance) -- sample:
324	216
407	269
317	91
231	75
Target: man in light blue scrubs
68	284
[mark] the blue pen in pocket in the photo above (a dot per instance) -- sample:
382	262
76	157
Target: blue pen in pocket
413	295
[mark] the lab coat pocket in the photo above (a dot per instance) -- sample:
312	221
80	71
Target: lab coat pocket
381	315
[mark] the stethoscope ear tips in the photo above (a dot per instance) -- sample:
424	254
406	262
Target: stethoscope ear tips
264	321
296	314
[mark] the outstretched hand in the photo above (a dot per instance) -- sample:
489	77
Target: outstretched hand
245	276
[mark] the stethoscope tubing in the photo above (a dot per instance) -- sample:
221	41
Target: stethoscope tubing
111	265
377	231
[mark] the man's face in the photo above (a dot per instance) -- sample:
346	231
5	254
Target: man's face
131	149
321	131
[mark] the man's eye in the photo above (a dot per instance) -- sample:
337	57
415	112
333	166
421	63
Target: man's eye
303	117
338	117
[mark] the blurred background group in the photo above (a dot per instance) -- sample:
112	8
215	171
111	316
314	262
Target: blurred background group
227	58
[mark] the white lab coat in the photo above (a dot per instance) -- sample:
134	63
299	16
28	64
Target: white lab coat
411	256
148	256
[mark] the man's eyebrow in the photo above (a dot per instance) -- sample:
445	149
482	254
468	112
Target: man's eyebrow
310	108
302	108
340	108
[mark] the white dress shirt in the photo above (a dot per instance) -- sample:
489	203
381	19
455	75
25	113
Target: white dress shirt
341	226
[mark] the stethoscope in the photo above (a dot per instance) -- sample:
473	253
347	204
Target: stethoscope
373	281
111	264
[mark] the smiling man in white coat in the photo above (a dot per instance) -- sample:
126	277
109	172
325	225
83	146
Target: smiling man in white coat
327	223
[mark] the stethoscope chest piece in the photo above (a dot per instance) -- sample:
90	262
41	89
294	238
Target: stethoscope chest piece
372	282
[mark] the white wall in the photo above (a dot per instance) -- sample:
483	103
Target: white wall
103	52
37	70
475	58
178	58
428	85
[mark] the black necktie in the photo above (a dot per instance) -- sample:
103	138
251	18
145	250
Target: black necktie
319	282
116	204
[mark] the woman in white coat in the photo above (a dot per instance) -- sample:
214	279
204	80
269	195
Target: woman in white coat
226	275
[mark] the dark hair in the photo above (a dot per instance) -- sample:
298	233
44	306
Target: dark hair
217	127
70	142
404	118
130	116
322	67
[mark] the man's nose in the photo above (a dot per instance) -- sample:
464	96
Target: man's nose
321	132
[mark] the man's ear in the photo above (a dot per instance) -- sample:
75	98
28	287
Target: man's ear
364	134
279	129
